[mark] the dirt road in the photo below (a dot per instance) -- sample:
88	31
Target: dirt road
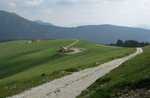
76	40
72	85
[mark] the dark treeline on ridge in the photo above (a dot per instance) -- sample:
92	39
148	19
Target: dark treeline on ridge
130	43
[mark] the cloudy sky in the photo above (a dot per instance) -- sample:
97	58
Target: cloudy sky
82	12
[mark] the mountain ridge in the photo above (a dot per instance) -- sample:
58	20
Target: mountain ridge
13	26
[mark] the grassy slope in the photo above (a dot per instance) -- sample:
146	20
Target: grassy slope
24	65
133	74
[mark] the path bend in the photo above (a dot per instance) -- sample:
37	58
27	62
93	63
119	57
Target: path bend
72	85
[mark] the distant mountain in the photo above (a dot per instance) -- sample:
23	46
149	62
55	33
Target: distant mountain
12	26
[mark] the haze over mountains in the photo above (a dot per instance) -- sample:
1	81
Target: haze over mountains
143	26
12	26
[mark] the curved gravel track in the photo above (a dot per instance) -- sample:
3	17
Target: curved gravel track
72	85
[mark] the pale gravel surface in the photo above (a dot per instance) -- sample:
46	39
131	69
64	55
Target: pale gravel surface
76	40
75	51
72	85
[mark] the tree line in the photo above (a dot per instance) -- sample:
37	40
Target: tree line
130	43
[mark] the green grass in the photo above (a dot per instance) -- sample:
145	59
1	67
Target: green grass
133	74
24	65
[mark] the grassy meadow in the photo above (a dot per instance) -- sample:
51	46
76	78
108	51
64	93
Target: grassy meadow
131	76
25	65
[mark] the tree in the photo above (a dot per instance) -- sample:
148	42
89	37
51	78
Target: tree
131	43
119	43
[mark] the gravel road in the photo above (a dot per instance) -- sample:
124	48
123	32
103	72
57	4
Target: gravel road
76	40
72	85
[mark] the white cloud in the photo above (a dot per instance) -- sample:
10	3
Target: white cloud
12	4
79	12
82	2
33	2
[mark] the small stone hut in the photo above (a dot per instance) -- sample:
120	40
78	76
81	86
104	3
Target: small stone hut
63	50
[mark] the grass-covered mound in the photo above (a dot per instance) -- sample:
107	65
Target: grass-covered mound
130	80
24	64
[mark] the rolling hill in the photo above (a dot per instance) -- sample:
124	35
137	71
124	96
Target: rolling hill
130	80
32	64
13	26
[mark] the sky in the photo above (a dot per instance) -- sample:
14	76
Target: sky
70	13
